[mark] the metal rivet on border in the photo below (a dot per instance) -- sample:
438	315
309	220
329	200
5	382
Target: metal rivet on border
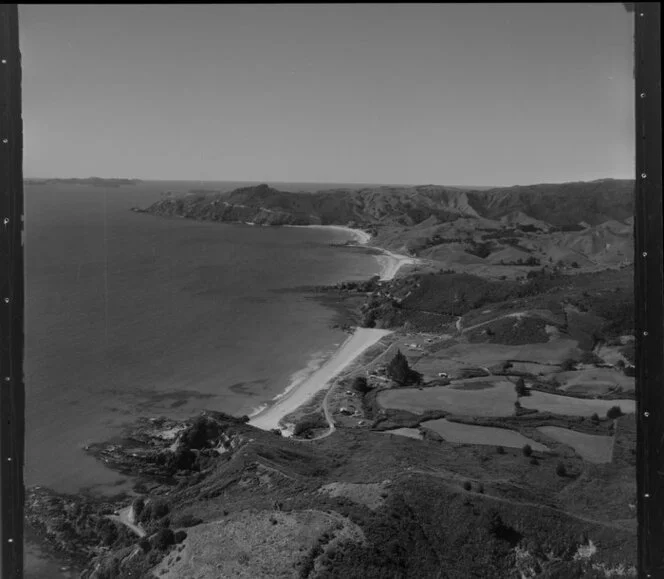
10	540
7	378
4	61
646	414
9	459
5	141
6	300
5	220
645	333
647	495
645	254
643	95
643	175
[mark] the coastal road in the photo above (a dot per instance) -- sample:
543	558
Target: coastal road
325	403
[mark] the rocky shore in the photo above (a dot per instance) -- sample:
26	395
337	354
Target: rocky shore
161	455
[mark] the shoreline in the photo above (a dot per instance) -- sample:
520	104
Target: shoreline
389	261
361	340
270	415
361	236
393	262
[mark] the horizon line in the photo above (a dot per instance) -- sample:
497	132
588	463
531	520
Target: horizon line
336	183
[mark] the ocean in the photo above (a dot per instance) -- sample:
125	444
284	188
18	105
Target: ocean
131	315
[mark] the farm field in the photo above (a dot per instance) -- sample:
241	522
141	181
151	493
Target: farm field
611	354
488	354
497	400
591	447
480	384
487	435
597	381
568	406
534	368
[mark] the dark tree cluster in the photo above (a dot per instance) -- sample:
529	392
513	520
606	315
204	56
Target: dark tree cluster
400	371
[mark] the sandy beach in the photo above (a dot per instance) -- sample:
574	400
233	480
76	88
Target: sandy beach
362	237
362	338
356	344
389	261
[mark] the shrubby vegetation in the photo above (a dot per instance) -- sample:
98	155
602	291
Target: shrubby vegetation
521	389
590	358
614	412
307	424
400	371
361	385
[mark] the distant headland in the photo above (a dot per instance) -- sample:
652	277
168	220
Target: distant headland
95	181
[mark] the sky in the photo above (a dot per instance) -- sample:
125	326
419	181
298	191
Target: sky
449	94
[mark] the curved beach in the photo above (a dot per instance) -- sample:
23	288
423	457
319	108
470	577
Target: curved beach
361	237
356	344
389	261
361	339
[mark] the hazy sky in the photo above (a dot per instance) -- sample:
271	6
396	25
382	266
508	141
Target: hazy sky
396	93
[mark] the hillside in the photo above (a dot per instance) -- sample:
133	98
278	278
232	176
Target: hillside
490	433
574	224
558	205
358	504
492	470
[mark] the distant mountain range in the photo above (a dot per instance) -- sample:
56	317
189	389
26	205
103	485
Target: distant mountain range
95	181
581	225
561	205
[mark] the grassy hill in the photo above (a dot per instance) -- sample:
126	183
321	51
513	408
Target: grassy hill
558	204
363	504
582	225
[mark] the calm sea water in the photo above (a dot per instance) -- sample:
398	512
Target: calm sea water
130	314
